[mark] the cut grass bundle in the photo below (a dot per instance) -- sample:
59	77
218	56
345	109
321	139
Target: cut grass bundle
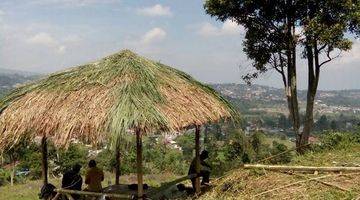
105	99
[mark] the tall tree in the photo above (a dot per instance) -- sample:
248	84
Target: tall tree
325	24
275	29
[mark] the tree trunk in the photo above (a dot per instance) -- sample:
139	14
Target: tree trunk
291	90
117	162
139	164
44	160
309	118
206	136
12	174
313	80
117	165
197	158
2	159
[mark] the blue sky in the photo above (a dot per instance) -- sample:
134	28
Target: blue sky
50	35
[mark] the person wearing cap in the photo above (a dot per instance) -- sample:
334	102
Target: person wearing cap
94	177
205	169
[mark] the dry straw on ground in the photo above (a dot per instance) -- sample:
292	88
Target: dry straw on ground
103	100
258	184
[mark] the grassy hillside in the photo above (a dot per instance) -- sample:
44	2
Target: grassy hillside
30	189
249	184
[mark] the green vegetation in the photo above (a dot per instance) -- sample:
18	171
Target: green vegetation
229	147
334	149
272	42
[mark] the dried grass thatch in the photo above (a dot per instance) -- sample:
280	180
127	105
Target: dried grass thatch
104	99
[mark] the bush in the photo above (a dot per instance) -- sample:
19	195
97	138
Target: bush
284	157
335	140
31	159
75	154
4	176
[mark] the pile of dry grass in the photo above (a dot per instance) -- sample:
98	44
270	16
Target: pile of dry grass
103	100
258	184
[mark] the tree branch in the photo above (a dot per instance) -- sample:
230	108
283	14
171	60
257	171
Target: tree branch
329	58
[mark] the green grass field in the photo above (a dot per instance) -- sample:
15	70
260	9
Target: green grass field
30	189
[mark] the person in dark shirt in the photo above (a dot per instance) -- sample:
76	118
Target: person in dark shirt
204	169
72	180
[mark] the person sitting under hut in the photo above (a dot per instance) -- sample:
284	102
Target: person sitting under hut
205	169
72	180
94	177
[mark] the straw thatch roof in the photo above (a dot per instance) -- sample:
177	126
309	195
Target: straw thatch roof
104	99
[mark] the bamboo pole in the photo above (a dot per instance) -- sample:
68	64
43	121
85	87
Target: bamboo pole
44	160
302	168
139	164
117	165
97	194
295	183
326	183
197	158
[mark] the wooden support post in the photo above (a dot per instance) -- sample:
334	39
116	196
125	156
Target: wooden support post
197	157
117	165
13	163
44	161
139	164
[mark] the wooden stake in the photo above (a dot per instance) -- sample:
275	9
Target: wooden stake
117	165
197	157
139	164
44	161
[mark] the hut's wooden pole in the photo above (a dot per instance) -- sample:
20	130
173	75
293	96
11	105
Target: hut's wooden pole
197	157
139	164
117	166
44	161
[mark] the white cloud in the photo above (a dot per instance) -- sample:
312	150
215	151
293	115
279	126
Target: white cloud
42	39
2	13
156	10
229	27
351	56
45	39
61	49
72	39
73	3
154	35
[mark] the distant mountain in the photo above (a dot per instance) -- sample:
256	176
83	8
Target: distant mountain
11	78
248	98
5	71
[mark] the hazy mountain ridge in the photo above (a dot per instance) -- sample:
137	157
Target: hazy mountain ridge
258	96
11	78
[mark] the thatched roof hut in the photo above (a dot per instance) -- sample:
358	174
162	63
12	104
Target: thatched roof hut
103	99
100	101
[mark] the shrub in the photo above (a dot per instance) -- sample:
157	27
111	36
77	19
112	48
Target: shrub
75	154
4	176
284	157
